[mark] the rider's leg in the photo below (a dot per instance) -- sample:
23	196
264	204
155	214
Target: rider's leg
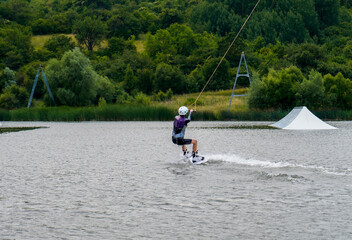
195	143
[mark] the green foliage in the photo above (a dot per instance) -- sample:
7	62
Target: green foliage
167	77
146	80
307	56
124	98
25	77
221	79
214	17
103	113
328	11
258	97
181	47
16	10
53	23
90	32
72	79
142	99
288	88
190	101
15	46
294	30
14	97
130	81
106	90
116	46
179	41
161	96
123	24
59	44
311	92
7	78
169	16
101	102
144	113
277	90
93	4
338	91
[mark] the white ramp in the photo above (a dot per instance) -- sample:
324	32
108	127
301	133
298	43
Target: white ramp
300	118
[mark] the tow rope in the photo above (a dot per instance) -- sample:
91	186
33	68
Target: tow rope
227	51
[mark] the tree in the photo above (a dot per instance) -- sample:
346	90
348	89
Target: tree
167	76
146	80
306	9
15	45
124	24
9	78
13	97
268	29
328	12
72	79
59	44
277	90
221	79
93	4
306	56
346	3
338	91
311	91
169	16
177	41
258	93
16	10
294	29
211	17
130	81
106	90
89	32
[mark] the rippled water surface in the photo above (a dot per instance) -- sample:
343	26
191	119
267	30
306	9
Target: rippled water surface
124	180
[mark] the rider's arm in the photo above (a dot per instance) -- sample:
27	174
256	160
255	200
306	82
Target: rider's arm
190	113
189	117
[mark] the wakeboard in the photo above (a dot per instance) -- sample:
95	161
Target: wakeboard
197	161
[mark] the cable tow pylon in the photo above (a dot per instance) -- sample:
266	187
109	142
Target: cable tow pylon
222	59
35	84
243	58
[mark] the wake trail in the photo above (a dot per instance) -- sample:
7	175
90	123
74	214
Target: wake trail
269	164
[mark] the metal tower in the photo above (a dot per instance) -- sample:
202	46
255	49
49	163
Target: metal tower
35	84
240	75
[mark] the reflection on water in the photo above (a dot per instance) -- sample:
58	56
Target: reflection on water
125	180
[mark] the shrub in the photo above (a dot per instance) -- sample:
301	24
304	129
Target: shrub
102	102
161	96
338	91
142	99
14	97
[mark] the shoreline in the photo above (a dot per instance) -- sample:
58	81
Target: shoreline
152	113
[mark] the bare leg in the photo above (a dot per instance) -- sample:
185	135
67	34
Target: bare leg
184	148
195	143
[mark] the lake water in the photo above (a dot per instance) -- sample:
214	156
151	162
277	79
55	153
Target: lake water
124	180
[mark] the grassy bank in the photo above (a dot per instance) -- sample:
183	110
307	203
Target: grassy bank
212	106
149	113
107	113
16	129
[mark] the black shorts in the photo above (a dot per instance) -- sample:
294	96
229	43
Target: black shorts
181	141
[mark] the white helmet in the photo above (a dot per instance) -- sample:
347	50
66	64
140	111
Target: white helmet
183	110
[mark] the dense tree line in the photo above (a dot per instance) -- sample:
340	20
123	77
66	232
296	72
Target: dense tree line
298	51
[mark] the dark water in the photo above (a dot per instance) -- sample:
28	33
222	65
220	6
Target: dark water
124	180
